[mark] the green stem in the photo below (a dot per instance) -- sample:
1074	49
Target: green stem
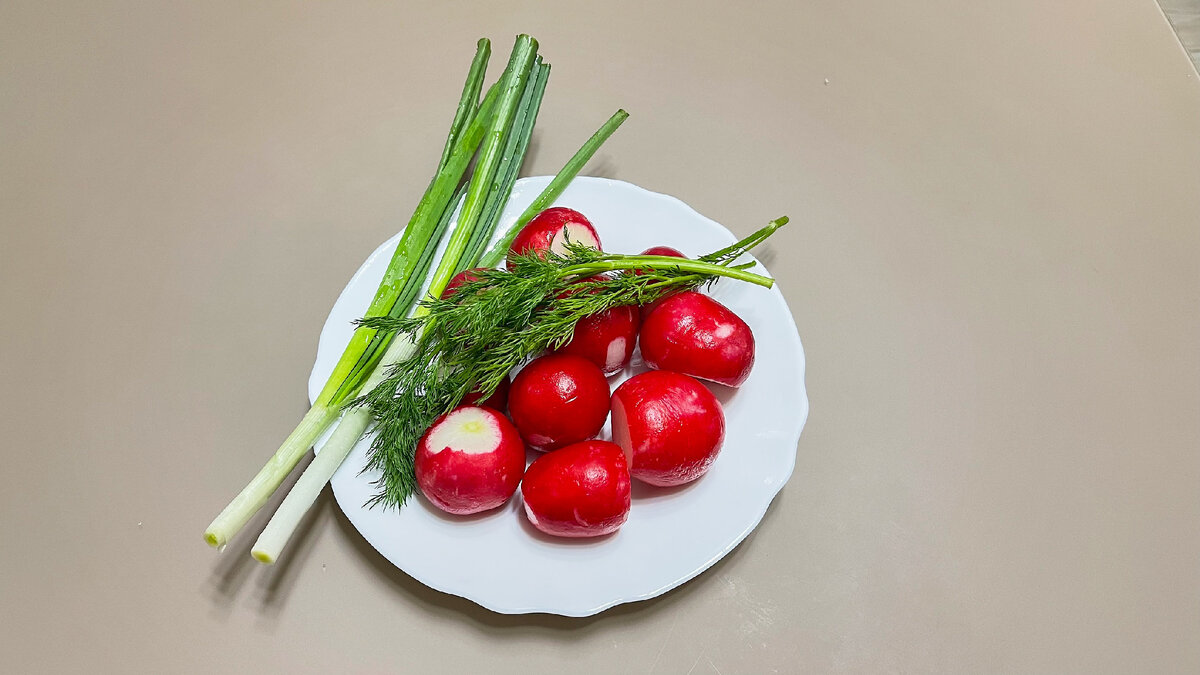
468	103
555	188
749	242
512	86
674	281
702	266
633	262
398	279
510	163
259	490
396	293
355	422
300	498
353	382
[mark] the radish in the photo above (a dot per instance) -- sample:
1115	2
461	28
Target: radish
551	229
606	338
657	250
460	279
669	425
497	401
558	399
499	398
581	285
663	251
693	334
471	459
581	490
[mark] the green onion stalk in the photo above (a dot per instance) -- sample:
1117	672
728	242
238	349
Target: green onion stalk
552	191
520	92
357	420
396	294
509	166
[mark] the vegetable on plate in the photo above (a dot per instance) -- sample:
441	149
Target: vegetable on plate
581	490
606	338
499	127
430	379
692	333
458	280
397	291
551	230
500	145
558	399
669	424
498	400
659	251
470	460
494	324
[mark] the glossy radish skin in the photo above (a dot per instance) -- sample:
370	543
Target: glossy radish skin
551	229
581	286
558	399
669	424
693	334
606	338
656	250
471	459
661	250
497	401
582	490
458	280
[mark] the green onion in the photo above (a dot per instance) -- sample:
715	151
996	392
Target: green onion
512	85
399	287
555	188
513	108
510	163
307	488
468	103
500	128
396	294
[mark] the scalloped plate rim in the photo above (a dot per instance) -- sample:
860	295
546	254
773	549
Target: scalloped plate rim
537	182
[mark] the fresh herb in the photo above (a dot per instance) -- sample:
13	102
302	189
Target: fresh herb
475	338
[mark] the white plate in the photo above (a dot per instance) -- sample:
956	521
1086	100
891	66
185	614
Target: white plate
497	559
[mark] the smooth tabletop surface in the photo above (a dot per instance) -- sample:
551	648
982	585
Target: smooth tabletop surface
992	264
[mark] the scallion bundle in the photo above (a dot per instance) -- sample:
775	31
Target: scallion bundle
497	129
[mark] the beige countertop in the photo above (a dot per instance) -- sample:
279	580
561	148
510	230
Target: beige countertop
993	268
1184	17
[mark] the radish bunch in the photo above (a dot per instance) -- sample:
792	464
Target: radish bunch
667	426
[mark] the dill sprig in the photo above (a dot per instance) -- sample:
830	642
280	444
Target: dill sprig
489	326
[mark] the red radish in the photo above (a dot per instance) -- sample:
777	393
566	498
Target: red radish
460	279
551	229
606	338
657	250
558	399
692	333
471	459
581	490
661	250
669	424
497	401
580	285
